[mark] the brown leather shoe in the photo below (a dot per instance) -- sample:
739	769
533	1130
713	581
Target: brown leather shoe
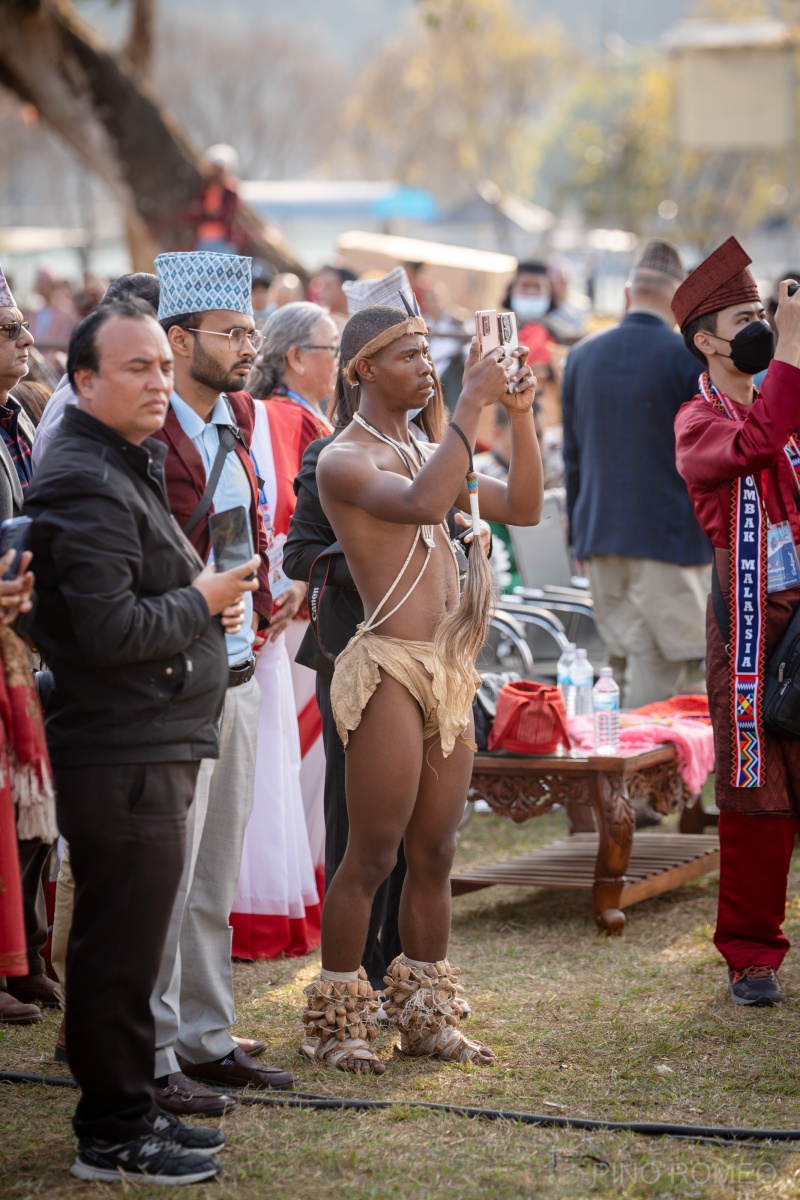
238	1070
249	1046
34	989
60	1052
184	1097
15	1013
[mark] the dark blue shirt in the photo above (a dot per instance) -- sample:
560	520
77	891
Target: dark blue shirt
621	393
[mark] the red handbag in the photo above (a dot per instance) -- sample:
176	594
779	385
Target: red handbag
531	718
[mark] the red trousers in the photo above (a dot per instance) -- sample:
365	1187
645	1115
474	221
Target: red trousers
755	852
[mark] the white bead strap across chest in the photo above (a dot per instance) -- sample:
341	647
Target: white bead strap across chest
423	531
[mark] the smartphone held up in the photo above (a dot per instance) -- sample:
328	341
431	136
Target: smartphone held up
497	331
14	535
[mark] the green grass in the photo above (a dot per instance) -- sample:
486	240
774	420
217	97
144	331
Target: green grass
634	1028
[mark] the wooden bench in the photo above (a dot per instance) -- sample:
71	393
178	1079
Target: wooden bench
601	855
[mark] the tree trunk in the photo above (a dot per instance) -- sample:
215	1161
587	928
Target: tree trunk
110	118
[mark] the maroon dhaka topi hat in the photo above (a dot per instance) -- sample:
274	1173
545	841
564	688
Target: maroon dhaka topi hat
720	281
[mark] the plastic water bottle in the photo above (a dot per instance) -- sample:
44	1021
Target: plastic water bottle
606	713
582	680
564	677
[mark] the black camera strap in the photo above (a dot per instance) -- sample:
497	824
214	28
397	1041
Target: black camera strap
317	582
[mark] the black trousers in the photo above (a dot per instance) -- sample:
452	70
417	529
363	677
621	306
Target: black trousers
383	940
34	867
126	828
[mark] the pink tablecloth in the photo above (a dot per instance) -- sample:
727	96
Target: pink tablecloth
693	739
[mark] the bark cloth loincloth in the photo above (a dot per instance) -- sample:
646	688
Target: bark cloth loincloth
444	692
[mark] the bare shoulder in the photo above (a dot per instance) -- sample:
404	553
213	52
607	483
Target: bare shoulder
341	463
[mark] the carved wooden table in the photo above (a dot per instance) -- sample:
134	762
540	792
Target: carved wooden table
601	854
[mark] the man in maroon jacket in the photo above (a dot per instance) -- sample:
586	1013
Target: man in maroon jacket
739	453
206	311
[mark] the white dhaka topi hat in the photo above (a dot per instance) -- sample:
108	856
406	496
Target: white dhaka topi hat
6	299
393	290
198	281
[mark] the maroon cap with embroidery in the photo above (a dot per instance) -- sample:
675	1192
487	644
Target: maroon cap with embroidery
721	280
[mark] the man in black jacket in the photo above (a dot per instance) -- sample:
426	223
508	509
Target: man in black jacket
125	619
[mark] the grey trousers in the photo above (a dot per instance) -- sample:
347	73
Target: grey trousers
62	920
192	1001
651	616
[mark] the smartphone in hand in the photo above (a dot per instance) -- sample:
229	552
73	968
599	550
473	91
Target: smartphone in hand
231	538
488	331
497	331
14	535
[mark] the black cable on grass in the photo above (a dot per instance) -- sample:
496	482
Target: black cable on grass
307	1100
65	1081
646	1128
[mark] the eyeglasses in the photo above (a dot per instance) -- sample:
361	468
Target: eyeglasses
14	329
237	337
335	349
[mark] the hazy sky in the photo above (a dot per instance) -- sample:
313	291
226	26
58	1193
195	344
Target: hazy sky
356	25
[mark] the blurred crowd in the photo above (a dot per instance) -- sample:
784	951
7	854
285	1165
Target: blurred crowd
549	321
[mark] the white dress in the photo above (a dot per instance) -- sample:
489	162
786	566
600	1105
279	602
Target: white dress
276	909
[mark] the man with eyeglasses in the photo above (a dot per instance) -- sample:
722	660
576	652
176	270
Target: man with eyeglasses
16	429
20	997
139	284
205	309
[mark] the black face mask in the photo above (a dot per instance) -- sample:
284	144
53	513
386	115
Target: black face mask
752	349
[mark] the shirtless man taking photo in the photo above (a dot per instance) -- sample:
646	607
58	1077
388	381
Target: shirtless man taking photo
403	687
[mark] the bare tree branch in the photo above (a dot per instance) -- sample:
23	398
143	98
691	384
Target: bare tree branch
141	37
113	122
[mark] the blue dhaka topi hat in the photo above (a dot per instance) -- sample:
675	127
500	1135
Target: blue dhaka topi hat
200	281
